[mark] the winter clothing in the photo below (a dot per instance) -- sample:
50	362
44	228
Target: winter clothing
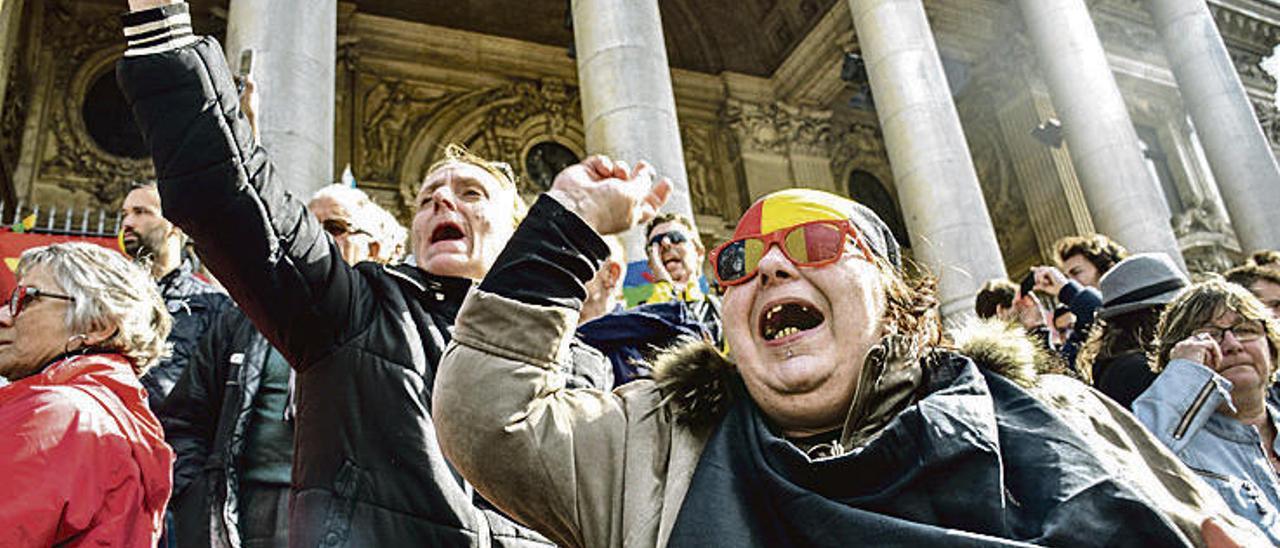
206	419
195	305
1181	408
84	459
364	341
702	309
1123	377
630	338
1083	302
941	450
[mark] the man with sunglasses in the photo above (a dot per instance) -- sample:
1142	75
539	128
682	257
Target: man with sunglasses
675	255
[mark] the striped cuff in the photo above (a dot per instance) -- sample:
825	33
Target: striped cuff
158	30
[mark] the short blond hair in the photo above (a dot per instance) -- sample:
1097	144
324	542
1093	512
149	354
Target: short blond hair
107	290
501	171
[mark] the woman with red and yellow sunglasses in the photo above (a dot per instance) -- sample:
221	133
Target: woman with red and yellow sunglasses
838	418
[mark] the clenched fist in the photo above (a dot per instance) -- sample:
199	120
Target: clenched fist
609	196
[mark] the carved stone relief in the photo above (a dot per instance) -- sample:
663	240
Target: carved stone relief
409	124
705	188
83	51
779	127
858	145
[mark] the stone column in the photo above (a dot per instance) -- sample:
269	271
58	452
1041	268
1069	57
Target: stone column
295	43
1238	152
938	187
10	36
628	106
1125	201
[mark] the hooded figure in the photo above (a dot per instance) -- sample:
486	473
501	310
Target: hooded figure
839	417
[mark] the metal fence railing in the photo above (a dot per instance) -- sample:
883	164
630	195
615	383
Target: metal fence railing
69	221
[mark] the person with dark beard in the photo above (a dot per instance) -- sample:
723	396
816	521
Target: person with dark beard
194	303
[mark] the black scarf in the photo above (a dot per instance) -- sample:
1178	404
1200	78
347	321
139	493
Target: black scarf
973	461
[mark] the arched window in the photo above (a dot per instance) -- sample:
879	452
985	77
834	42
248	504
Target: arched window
109	120
867	190
545	160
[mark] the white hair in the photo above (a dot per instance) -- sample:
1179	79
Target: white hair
370	217
108	291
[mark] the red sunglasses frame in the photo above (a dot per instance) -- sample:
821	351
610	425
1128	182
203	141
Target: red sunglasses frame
778	237
22	295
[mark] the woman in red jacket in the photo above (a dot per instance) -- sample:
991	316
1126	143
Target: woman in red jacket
84	461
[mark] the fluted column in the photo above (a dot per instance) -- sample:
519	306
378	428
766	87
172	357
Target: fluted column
943	204
10	35
1238	152
295	43
1125	201
628	106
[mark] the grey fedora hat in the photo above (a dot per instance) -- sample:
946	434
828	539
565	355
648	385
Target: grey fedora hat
1140	281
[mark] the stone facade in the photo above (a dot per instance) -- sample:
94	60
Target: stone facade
403	89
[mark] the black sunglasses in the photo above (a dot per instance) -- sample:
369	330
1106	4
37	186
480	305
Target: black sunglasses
341	227
23	295
675	237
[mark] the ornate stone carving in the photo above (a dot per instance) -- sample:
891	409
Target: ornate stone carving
12	116
705	188
1249	67
779	127
83	50
390	105
1206	238
1269	119
407	126
859	145
757	126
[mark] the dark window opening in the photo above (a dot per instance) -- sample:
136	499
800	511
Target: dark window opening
546	160
109	120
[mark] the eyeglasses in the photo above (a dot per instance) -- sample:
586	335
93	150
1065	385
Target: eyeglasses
1244	331
23	295
341	227
675	237
816	243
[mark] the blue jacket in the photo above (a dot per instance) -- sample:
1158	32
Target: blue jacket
630	338
1180	408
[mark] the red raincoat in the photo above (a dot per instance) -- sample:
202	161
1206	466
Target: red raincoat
83	461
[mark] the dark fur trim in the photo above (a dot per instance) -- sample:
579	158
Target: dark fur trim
694	380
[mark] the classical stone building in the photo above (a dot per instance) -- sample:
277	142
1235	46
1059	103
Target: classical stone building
982	130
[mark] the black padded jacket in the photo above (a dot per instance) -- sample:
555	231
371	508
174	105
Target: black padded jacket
364	341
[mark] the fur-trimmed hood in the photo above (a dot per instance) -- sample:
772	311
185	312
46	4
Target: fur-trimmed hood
695	378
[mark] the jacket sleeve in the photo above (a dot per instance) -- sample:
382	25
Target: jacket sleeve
60	472
1180	401
221	189
553	458
190	413
1084	302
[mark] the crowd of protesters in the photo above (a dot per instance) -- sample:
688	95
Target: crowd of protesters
477	380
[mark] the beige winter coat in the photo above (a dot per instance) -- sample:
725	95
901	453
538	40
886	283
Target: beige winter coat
593	469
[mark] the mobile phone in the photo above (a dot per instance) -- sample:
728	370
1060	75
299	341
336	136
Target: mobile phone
1028	283
246	62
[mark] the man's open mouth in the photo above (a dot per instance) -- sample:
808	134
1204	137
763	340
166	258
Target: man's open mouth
786	319
447	231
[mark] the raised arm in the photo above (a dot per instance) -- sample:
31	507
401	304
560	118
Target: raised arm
220	187
554	458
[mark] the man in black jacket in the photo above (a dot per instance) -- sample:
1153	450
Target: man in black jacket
364	341
228	418
193	303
